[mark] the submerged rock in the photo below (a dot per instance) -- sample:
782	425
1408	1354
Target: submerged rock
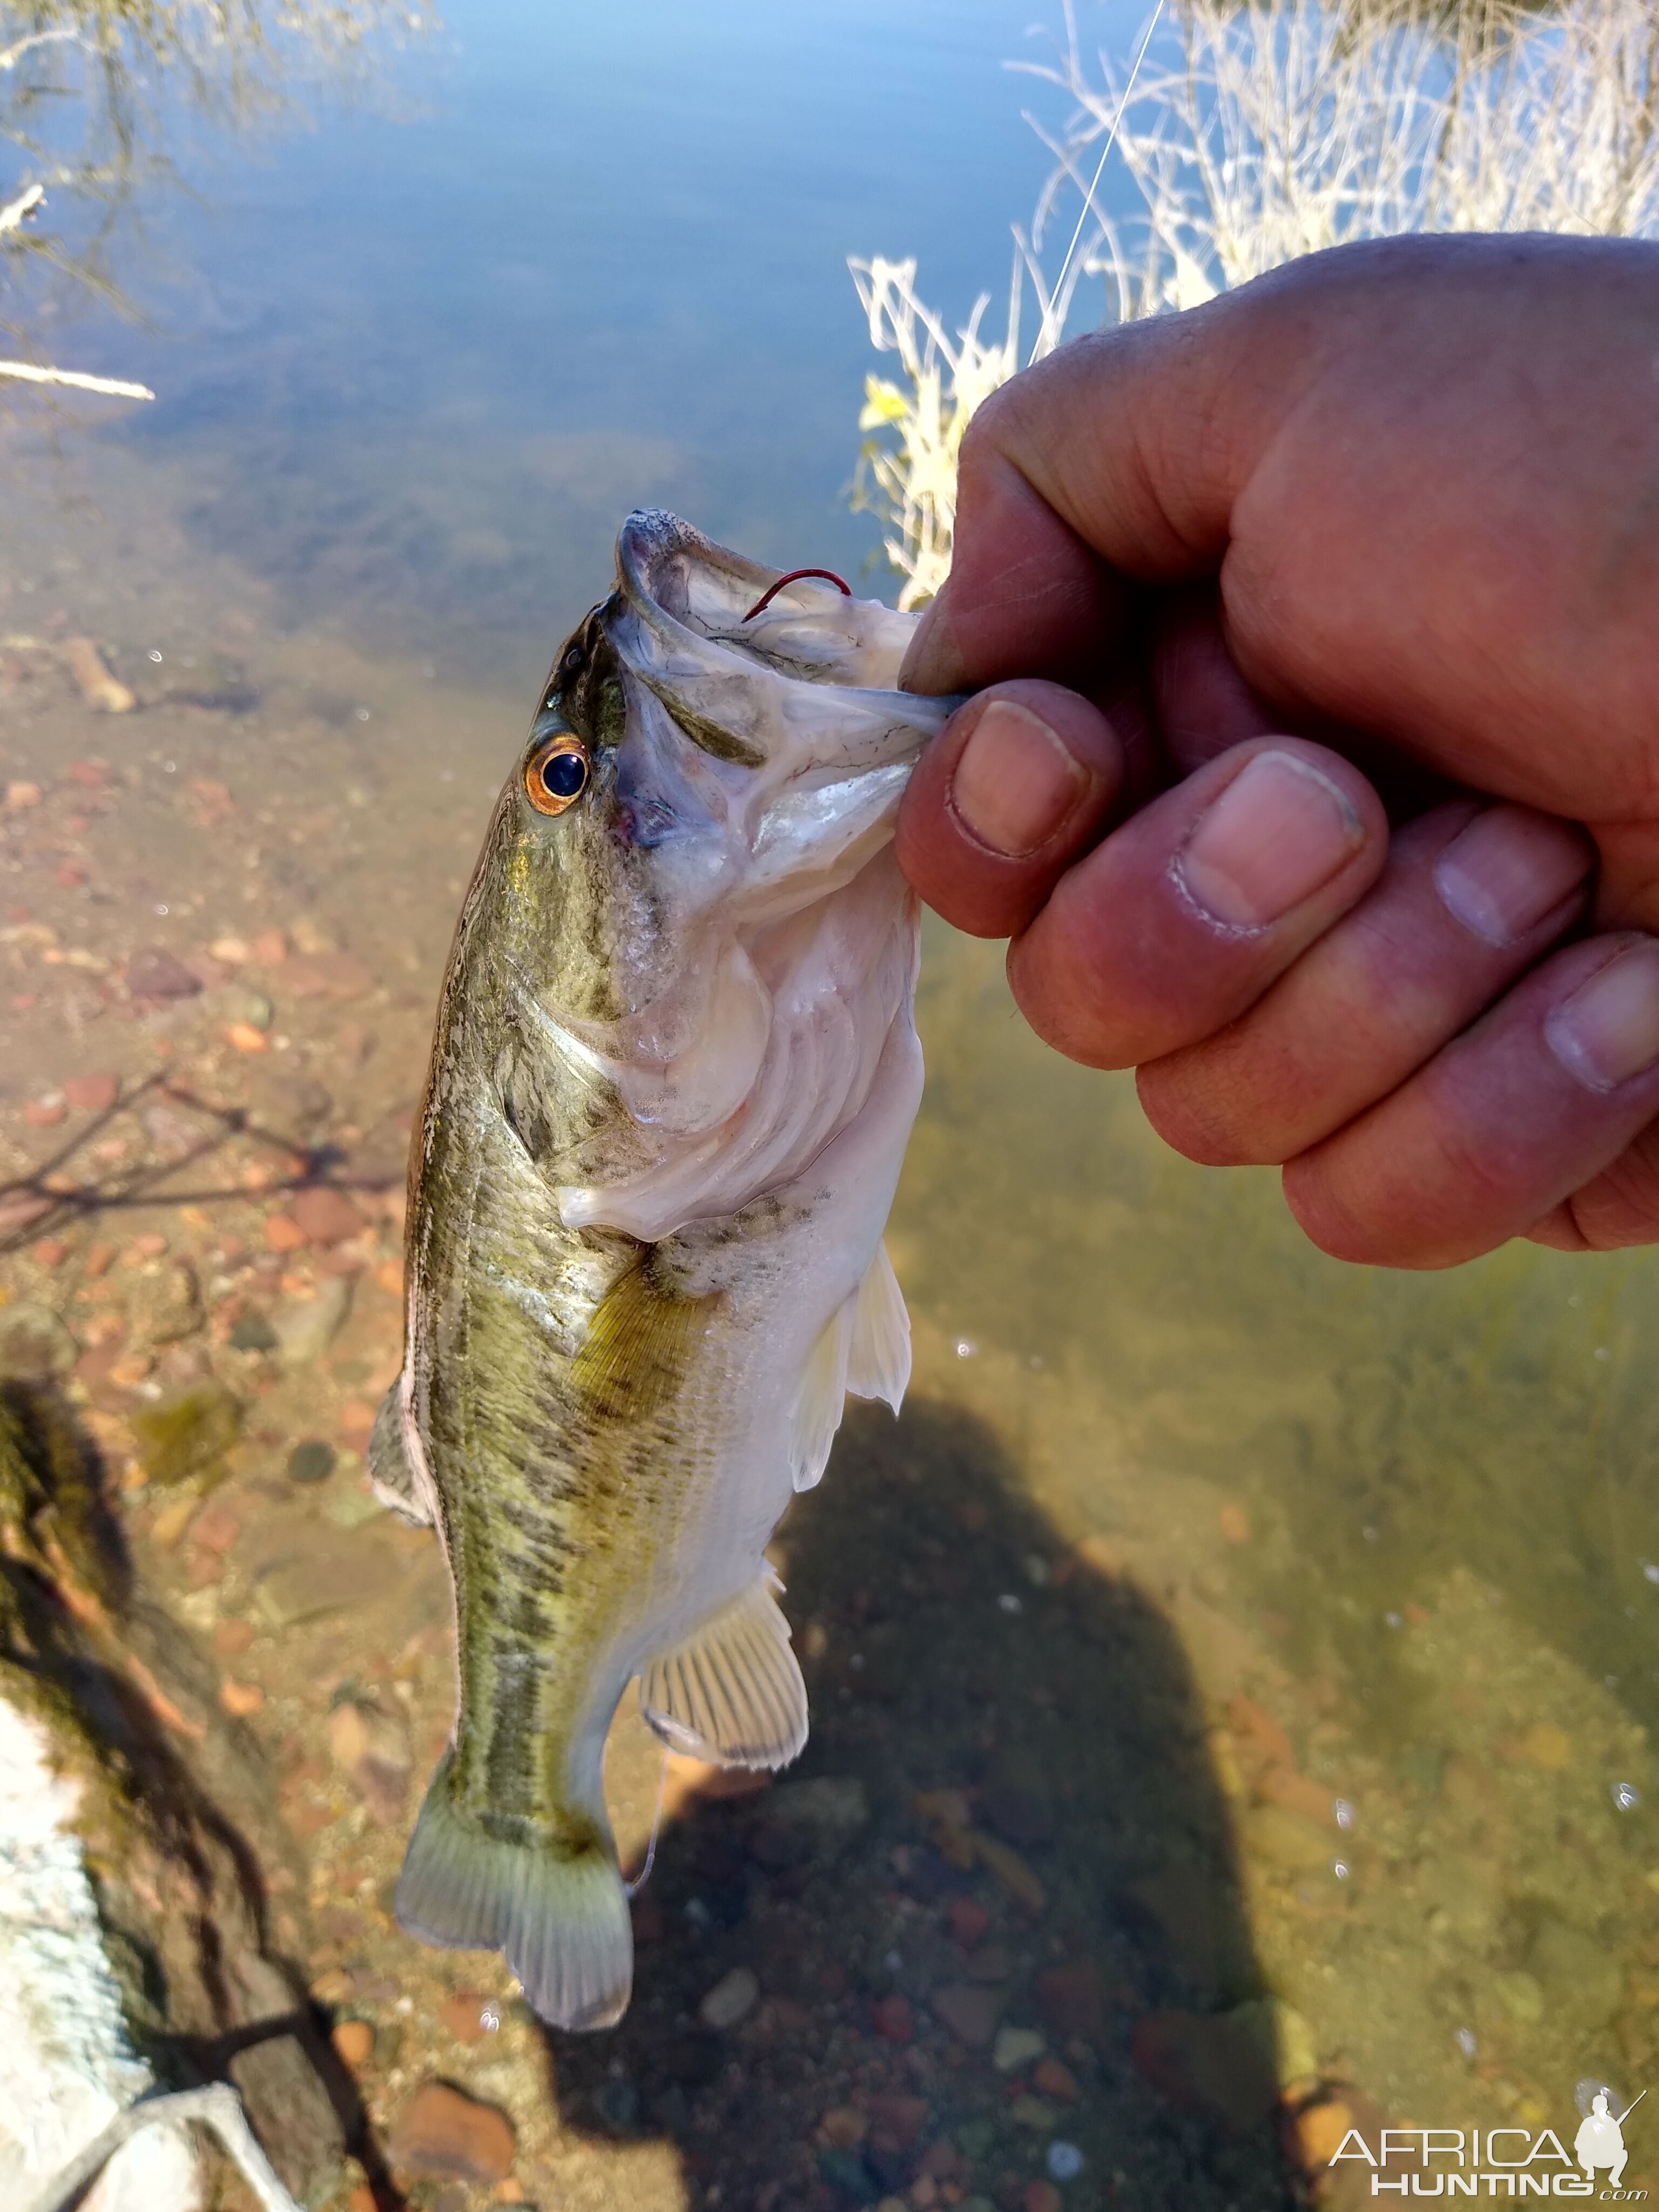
186	1438
441	2130
35	1344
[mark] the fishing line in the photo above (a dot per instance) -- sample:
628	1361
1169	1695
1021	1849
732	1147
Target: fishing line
633	1888
1089	197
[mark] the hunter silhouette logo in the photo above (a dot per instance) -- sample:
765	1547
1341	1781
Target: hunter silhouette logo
1599	2141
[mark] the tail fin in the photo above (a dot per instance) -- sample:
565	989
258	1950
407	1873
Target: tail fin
560	1917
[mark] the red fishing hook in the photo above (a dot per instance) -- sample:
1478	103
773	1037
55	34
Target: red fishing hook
795	577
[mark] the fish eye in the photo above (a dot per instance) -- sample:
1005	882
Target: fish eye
556	775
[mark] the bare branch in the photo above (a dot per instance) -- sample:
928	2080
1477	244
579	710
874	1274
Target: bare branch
217	2107
27	373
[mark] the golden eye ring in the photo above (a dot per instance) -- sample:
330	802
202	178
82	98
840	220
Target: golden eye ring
556	773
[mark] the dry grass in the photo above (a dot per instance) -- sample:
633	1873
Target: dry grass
1261	130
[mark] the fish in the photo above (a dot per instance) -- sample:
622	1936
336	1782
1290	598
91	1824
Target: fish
674	1070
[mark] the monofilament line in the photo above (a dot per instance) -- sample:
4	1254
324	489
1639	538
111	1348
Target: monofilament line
1058	291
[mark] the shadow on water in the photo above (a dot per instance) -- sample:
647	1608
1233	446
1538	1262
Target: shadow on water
1005	1820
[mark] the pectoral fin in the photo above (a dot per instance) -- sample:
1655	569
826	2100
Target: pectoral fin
816	1414
391	1471
732	1693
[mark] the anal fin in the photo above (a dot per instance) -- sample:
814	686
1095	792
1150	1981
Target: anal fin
878	1359
732	1693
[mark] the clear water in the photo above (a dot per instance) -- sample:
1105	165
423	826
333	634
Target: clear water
1313	1606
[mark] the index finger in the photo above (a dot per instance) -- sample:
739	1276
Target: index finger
1098	465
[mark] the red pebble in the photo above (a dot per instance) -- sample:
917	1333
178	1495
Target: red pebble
327	1216
969	1921
51	1251
893	2019
45	1113
1040	2196
93	1094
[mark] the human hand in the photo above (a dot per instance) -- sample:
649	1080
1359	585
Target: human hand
1373	539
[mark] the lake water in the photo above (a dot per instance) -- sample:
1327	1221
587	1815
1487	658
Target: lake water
1234	1671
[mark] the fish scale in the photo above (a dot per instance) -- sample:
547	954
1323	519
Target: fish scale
674	1070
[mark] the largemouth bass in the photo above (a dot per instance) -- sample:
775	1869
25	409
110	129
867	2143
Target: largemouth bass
674	1071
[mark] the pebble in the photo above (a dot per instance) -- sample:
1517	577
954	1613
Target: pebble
311	1461
304	1332
252	1331
992	1962
1064	2161
968	2010
1285	1839
845	2171
1051	2078
1547	1746
441	2130
19	1209
45	1113
1319	2132
969	1921
34	1344
462	2015
1015	2049
1205	2063
893	2019
104	693
233	1637
1040	2196
21	795
153	974
1072	1999
843	2125
327	1216
242	1698
245	1038
269	948
899	2120
93	1094
51	1252
1520	1995
1235	1523
284	1234
354	2039
732	1999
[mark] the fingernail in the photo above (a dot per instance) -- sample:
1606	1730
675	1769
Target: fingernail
1608	1029
1278	832
1509	868
1015	783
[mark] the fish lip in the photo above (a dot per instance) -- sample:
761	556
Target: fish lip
652	537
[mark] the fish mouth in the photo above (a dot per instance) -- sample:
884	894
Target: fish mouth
685	620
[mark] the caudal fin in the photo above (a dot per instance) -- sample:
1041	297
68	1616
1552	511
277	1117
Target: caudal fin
560	1915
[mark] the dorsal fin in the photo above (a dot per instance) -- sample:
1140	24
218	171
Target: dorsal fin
732	1693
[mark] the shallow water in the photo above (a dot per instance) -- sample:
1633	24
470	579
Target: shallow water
1268	1644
